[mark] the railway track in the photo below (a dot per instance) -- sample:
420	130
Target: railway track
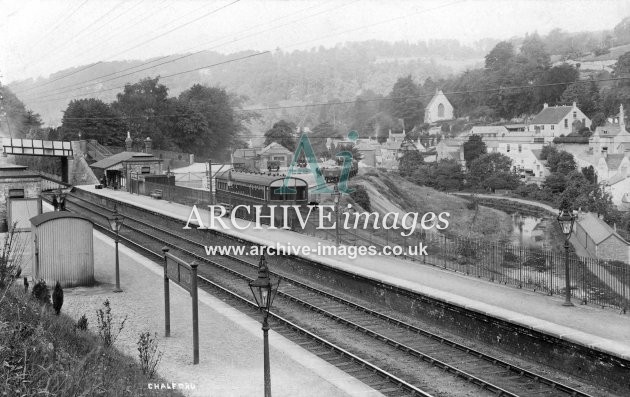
386	353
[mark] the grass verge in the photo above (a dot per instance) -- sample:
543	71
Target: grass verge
45	354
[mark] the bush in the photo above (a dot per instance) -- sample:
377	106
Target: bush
361	197
41	292
510	256
57	298
537	260
106	330
148	353
82	323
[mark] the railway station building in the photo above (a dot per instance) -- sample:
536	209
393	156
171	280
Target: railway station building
118	170
20	190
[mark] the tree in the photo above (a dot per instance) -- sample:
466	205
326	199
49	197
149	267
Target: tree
207	123
563	73
406	103
483	169
500	56
473	148
448	175
590	174
142	106
282	133
409	162
561	162
93	119
555	182
585	95
547	151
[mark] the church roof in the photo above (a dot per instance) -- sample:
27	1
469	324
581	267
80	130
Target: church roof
438	94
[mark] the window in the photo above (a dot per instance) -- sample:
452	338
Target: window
145	170
566	123
575	115
508	148
583	122
278	158
542	127
552	127
16	193
441	110
520	148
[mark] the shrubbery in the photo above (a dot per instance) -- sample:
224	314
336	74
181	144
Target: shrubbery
361	197
41	292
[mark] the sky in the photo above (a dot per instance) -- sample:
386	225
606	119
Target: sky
40	37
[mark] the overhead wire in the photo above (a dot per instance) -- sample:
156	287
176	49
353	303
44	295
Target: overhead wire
350	102
337	33
96	79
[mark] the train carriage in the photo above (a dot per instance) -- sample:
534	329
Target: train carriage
250	188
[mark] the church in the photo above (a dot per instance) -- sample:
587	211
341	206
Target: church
438	109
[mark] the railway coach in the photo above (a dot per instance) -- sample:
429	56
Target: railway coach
235	188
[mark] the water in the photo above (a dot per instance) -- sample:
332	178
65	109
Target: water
531	231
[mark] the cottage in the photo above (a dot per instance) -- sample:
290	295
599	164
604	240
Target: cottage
439	108
555	121
600	240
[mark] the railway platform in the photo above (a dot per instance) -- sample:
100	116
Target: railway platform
230	341
600	329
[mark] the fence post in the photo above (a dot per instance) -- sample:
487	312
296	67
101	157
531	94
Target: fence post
195	313
167	310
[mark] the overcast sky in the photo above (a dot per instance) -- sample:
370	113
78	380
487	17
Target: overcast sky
39	37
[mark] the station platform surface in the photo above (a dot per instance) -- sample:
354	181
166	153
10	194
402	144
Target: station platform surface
230	342
605	330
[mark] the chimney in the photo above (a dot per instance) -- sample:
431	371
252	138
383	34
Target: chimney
128	142
148	145
574	105
622	121
545	105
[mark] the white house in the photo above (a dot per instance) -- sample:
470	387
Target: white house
438	109
554	121
611	138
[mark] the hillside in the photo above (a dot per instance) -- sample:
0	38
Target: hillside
391	193
318	75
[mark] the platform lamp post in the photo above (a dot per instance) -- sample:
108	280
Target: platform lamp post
566	219
336	196
116	222
264	291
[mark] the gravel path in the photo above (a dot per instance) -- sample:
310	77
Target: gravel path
230	342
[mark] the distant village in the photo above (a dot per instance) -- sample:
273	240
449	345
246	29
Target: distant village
607	150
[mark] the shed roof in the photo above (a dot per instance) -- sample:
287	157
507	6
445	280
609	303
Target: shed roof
17	171
551	115
122	157
49	216
596	228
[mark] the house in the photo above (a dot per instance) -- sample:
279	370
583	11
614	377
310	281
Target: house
117	170
554	121
439	108
450	149
612	137
609	165
259	158
600	240
619	189
489	131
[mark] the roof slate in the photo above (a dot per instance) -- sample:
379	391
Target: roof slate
597	229
123	156
551	115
